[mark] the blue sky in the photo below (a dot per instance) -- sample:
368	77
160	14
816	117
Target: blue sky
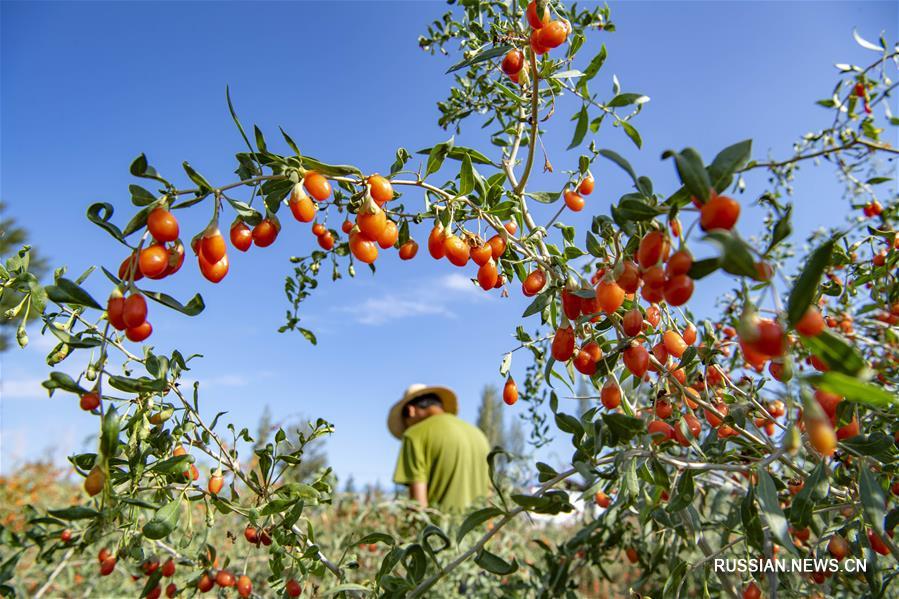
88	86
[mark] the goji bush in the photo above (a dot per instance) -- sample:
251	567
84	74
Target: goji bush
767	431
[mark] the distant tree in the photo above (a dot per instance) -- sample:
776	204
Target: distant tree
490	416
374	492
263	428
515	439
314	457
508	435
350	485
12	238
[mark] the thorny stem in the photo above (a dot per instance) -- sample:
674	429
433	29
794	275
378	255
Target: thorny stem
427	584
321	556
54	573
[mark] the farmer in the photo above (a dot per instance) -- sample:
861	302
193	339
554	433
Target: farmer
443	459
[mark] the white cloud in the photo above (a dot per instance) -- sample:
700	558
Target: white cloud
462	284
228	380
42	343
18	447
375	311
225	380
432	298
24	388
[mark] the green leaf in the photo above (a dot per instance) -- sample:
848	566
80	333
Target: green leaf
572	252
569	424
727	162
437	156
623	427
627	99
749	517
544	197
260	139
109	432
459	152
877	445
402	157
572	73
138	221
60	380
632	133
330	170
551	502
140	196
673	583
816	488
873	499
509	94
806	286
466	177
703	268
173	465
67	292
771	512
621	162
692	172
637	210
580	130
99	214
291	143
475	519
237	122
375	537
782	229
683	492
429	532
164	521
540	302
836	353
139	385
76	512
735	256
250	215
139	165
347	587
593	245
192	308
854	389
197	178
308	335
494	563
481	57
415	562
595	64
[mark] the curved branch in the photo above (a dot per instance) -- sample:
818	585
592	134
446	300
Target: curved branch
532	142
427	584
858	141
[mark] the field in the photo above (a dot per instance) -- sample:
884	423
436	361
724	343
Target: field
38	487
690	323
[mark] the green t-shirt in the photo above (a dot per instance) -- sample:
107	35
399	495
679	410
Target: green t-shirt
448	454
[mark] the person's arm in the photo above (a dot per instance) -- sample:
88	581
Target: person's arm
412	470
419	492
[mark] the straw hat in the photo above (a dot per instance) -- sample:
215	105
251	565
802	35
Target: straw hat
395	418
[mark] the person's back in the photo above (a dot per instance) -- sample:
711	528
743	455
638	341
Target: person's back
448	454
